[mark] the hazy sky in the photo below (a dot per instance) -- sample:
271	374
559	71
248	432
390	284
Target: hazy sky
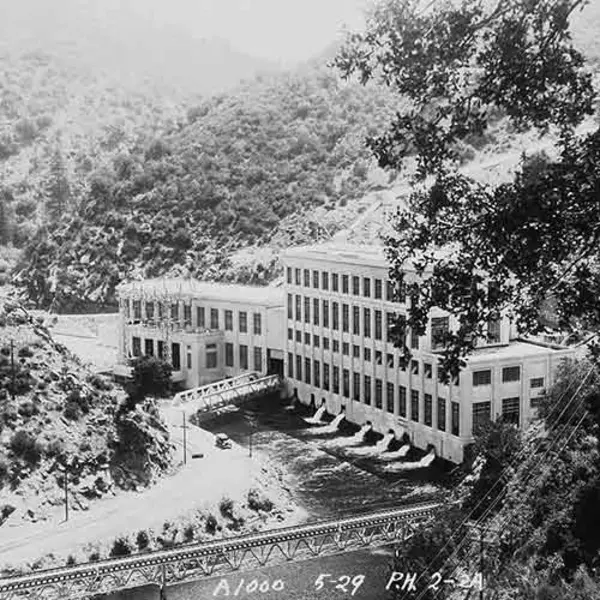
287	30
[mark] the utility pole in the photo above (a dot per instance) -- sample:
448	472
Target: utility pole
12	367
184	427
481	528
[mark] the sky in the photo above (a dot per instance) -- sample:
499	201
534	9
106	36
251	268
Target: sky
285	31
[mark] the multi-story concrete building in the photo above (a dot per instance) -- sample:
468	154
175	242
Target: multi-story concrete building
207	331
339	302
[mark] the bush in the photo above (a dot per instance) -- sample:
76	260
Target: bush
71	561
211	524
94	557
142	540
100	383
54	448
25	446
72	411
256	502
120	547
3	472
28	409
188	533
226	507
25	352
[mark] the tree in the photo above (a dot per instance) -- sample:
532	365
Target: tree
484	250
151	377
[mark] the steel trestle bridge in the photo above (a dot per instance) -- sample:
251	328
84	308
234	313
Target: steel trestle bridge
197	561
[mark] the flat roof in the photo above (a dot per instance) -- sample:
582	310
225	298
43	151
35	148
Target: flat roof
515	349
365	254
192	288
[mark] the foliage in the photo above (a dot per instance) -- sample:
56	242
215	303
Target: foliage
211	524
455	64
226	507
121	547
24	445
142	540
151	377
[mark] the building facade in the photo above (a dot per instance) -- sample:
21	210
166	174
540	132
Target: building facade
339	305
207	331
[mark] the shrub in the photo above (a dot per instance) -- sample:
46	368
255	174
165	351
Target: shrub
25	352
72	411
211	524
100	383
3	472
188	533
256	502
120	547
142	540
94	557
226	507
54	448
24	445
71	561
27	409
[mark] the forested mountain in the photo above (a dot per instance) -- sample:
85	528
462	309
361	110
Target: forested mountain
188	197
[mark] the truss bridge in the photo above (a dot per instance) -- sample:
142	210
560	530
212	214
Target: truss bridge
216	395
197	561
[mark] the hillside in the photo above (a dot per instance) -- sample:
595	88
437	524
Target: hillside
231	176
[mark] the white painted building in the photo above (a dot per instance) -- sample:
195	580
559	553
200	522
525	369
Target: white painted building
338	301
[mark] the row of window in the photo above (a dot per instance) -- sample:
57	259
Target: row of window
205	319
327	314
509	374
361	286
482	412
211	355
322	375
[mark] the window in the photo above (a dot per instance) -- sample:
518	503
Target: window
290	365
150	310
356	320
440	327
511	410
307	310
307	370
511	374
441	416
346	382
315	311
389	326
378	325
289	274
414	367
378	357
297	276
355	351
229	353
243	322
290	334
306	278
455	417
187	314
482	377
345	348
176	356
258	363
298	367
356	387
345	318
427	368
414	339
326	376
367	389
336	380
211	356
367	354
214	318
290	306
298	308
336	346
493	331
189	358
401	293
174	311
228	320
389	291
316	279
137	310
243	356
414	405
482	413
335	316
307	338
257	324
299	337
402	401
367	322
316	373
161	349
149	347
390	361
536	382
125	304
378	394
325	280
428	410
325	343
378	289
367	287
325	313
389	397
335	282
136	346
345	284
316	341
159	310
355	285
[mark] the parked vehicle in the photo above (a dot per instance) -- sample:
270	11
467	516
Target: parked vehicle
222	441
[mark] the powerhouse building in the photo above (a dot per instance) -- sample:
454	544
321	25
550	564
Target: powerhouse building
326	331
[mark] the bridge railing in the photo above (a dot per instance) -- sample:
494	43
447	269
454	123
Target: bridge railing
210	388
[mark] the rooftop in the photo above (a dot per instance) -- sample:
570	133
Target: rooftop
192	288
515	349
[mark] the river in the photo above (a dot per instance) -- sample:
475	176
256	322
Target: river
330	475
